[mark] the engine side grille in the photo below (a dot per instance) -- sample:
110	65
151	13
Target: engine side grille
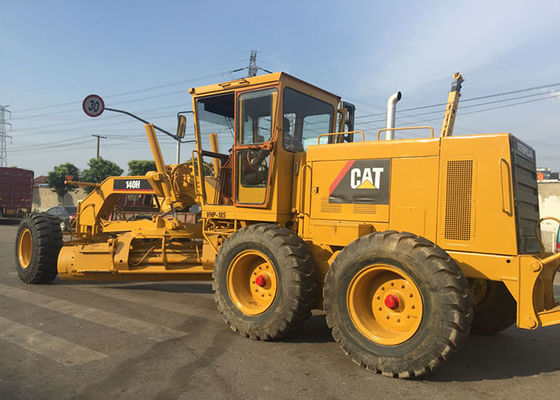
327	207
365	208
458	204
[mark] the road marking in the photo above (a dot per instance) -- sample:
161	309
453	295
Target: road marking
106	318
52	347
135	297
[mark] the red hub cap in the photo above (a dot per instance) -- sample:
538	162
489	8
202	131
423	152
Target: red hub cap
260	281
392	301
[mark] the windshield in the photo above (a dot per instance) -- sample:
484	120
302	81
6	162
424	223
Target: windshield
215	115
305	118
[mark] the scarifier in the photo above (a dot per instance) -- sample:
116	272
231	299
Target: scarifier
406	244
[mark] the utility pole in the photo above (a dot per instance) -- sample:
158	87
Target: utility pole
99	137
4	125
253	68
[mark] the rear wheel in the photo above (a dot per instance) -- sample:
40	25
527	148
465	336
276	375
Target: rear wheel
38	242
397	303
265	282
494	307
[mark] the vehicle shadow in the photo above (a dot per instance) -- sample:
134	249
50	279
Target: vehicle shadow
171	287
511	353
315	330
10	221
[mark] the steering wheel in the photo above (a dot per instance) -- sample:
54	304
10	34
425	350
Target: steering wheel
256	160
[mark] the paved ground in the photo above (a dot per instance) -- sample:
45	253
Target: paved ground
167	341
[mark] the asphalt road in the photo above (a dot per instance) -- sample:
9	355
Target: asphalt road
167	341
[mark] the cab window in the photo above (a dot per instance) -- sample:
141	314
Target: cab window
304	119
256	116
255	111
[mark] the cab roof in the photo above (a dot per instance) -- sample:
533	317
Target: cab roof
275	77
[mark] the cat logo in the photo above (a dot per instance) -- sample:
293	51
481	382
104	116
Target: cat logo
363	182
368	178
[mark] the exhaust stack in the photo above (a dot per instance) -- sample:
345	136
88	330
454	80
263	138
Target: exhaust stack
391	109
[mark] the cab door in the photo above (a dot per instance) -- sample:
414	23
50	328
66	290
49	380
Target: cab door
255	116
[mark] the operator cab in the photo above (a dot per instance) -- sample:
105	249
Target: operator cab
244	127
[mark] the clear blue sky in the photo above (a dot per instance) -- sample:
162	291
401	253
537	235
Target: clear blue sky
143	57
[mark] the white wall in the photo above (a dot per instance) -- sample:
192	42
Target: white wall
44	198
549	205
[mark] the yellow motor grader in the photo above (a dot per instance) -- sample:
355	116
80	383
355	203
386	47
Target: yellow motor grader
406	244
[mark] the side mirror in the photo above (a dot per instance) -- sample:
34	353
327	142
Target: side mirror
181	126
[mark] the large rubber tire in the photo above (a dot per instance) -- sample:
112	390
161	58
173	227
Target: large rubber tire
295	280
445	303
496	309
38	242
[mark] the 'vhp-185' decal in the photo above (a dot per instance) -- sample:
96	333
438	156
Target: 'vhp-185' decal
126	185
362	181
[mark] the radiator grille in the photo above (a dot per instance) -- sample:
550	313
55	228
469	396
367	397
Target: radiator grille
327	207
526	196
458	206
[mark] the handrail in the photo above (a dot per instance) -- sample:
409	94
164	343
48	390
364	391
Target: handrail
340	133
505	182
404	128
198	179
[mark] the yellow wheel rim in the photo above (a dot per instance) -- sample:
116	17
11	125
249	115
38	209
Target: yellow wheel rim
385	304
252	282
479	290
25	248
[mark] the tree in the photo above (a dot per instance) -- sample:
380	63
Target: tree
99	169
56	178
140	167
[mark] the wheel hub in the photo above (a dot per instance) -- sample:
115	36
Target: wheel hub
392	301
384	304
260	281
252	282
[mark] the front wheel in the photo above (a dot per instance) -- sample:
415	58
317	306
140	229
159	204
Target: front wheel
265	282
38	242
397	303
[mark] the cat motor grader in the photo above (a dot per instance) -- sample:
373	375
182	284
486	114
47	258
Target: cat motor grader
406	244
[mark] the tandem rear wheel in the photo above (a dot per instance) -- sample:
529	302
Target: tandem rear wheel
397	303
38	242
265	281
494	307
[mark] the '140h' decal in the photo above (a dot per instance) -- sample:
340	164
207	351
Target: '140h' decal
123	185
362	181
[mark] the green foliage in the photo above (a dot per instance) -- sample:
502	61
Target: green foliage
56	178
140	167
98	170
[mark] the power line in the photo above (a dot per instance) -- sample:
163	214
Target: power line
461	107
127	93
551	85
493	108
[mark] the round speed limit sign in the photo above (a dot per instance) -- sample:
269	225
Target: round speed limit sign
93	105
